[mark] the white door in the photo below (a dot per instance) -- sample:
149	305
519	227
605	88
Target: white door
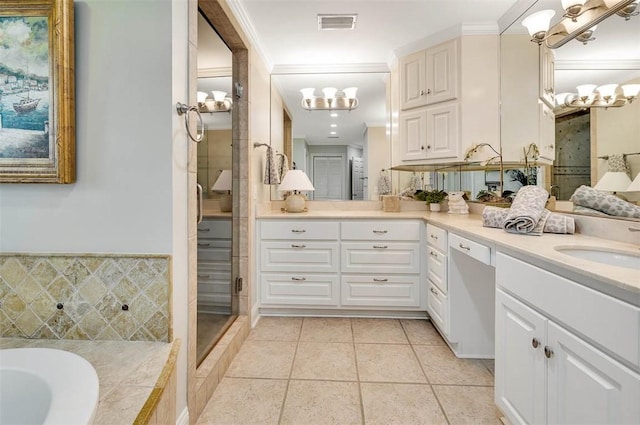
520	386
328	177
357	179
585	386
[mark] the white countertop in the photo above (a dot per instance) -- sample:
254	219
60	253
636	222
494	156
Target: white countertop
623	283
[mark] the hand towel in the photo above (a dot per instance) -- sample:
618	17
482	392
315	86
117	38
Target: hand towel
384	183
270	171
586	196
283	165
415	182
556	223
618	163
527	214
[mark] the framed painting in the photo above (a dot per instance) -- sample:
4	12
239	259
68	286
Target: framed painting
37	95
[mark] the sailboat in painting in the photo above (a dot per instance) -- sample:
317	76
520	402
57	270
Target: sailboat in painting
26	104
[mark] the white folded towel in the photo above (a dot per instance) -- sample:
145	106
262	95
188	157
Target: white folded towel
556	223
527	214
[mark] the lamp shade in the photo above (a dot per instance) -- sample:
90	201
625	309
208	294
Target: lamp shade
201	96
635	185
329	92
607	90
631	90
613	181
295	180
585	90
224	181
307	93
539	21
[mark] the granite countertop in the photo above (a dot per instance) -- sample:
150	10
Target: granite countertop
623	283
127	371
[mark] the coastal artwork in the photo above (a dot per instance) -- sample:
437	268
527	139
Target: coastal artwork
24	90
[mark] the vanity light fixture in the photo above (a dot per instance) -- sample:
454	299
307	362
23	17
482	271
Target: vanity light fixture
605	96
333	99
219	103
295	181
579	20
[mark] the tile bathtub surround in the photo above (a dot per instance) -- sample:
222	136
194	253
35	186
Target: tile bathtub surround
350	371
94	297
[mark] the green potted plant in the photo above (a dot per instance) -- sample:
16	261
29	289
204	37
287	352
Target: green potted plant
434	198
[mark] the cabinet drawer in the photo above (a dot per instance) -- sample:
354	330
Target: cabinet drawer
383	230
610	323
215	229
381	291
473	249
438	308
380	257
437	268
214	250
302	256
299	229
300	289
437	237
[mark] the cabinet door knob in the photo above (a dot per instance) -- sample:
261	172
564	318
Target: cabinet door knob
548	352
421	92
428	91
535	342
428	146
422	147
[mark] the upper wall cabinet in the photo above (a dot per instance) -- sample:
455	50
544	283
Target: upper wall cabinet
460	105
429	76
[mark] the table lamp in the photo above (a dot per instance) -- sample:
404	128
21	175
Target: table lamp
613	181
223	184
295	181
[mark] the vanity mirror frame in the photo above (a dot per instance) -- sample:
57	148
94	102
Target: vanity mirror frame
286	102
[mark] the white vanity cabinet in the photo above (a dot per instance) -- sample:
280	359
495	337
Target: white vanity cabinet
429	76
349	264
437	300
561	354
214	265
449	100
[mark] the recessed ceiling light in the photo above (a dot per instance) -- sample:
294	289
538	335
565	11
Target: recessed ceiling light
333	132
334	114
334	125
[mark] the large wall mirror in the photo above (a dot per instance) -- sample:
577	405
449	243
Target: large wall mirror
342	151
584	139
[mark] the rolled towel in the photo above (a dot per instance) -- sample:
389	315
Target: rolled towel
527	214
270	170
283	165
556	223
586	196
384	183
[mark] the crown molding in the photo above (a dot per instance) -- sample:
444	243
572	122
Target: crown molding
479	28
606	64
215	72
330	68
242	17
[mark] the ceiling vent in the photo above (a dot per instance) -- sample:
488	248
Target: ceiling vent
337	21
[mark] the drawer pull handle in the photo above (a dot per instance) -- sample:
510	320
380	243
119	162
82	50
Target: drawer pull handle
433	237
433	291
433	254
548	352
298	230
375	279
204	244
204	230
380	246
535	342
299	279
464	247
204	276
380	232
298	246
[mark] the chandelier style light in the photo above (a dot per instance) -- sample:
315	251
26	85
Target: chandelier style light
605	96
579	20
333	99
219	103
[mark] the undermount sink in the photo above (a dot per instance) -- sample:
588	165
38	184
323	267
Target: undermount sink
601	255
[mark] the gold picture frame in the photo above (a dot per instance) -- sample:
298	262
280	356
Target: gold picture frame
37	93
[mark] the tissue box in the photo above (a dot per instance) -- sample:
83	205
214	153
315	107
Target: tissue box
390	203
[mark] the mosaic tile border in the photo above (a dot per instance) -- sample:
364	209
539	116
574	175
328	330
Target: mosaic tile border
86	296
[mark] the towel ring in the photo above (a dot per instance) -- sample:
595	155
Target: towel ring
184	110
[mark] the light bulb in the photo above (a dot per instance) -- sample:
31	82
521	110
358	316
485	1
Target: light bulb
538	23
307	93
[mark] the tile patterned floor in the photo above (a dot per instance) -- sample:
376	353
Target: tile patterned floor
307	371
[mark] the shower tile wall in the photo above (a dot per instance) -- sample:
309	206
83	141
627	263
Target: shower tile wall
94	297
572	166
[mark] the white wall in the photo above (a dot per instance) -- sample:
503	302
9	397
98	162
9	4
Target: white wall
121	201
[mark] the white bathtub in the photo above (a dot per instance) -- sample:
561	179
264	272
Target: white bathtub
46	386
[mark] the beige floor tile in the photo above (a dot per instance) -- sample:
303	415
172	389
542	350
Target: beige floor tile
383	331
322	403
325	360
263	359
442	367
326	329
422	332
388	363
401	404
276	329
490	364
468	405
245	402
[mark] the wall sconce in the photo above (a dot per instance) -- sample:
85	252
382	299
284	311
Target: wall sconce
333	99
219	103
296	181
224	184
580	20
605	96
